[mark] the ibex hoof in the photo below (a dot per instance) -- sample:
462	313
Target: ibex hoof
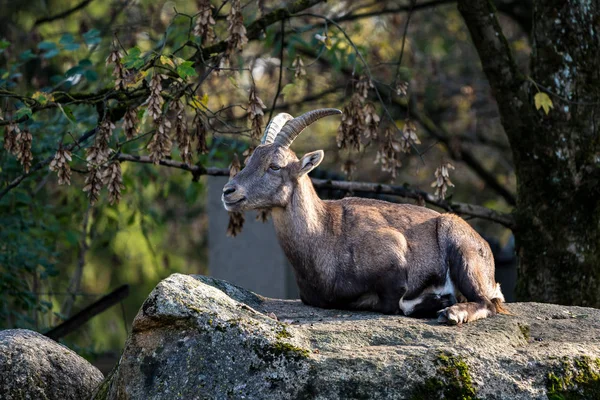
452	316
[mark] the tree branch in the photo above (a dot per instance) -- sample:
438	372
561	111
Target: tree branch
491	44
45	162
349	186
461	153
63	14
456	150
417	6
254	29
88	313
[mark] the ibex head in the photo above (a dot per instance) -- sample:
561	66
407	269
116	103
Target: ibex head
273	170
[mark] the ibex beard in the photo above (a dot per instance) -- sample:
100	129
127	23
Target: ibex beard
364	254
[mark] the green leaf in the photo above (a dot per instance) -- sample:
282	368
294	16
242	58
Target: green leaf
92	37
47	46
43	97
198	103
67	38
23	112
132	59
51	54
72	46
542	100
22	197
72	237
164	60
68	113
91	75
26	55
74	71
68	42
288	89
186	69
4	44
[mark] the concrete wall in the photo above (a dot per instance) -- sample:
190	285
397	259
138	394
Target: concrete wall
253	259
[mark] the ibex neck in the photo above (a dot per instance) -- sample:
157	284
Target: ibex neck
304	215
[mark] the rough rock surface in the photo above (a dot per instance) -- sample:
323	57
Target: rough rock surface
201	338
33	366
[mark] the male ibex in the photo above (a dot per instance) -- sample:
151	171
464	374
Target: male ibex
364	254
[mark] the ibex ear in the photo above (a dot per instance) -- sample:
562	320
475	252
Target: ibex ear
310	161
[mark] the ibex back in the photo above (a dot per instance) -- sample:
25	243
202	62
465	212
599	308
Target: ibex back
364	254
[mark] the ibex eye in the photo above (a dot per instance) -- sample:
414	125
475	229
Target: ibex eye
274	167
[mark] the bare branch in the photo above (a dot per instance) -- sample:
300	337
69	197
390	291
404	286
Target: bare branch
456	150
63	14
349	186
254	29
460	153
417	6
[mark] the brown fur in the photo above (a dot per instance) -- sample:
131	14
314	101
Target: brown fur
367	254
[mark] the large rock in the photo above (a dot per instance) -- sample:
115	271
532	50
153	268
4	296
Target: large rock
201	338
35	367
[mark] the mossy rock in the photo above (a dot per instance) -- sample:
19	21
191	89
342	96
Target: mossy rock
198	337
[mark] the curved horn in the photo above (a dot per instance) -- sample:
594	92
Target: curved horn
293	128
274	127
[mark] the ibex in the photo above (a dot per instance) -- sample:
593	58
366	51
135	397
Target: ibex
364	254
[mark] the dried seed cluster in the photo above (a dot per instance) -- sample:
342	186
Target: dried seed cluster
442	180
299	70
161	143
114	182
97	156
118	73
402	88
389	152
182	135
155	101
237	33
205	22
390	149
10	138
94	181
359	119
130	123
255	113
60	165
200	134
23	149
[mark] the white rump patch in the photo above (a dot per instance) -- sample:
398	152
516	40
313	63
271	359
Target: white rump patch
498	293
407	306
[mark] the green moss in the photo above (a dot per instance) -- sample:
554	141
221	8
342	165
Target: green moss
453	381
578	378
289	350
283	333
525	331
281	349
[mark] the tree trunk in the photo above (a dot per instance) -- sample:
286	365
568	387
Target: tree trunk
557	156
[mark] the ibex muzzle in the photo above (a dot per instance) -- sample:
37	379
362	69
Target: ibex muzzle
364	254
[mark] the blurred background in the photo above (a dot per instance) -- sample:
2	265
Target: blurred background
59	253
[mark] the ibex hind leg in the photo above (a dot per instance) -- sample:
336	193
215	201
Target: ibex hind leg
471	268
426	305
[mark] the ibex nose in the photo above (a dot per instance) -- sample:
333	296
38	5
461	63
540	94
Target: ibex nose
228	190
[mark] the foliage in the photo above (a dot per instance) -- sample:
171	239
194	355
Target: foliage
196	82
